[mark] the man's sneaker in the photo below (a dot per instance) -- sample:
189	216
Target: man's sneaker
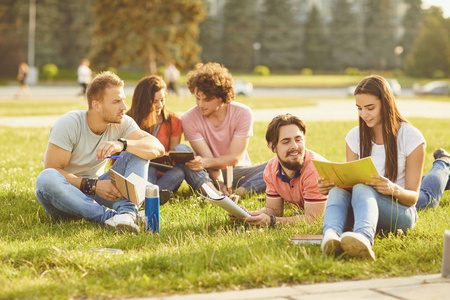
142	219
331	243
123	222
164	196
442	155
357	245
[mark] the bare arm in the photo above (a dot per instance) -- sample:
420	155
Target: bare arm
174	140
58	158
275	207
139	143
408	195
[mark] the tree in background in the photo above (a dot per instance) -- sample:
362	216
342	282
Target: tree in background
379	35
13	33
411	23
279	37
150	32
240	31
430	54
345	36
316	46
210	39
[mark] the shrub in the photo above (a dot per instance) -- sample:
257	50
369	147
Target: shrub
352	71
262	70
306	71
112	70
50	71
438	74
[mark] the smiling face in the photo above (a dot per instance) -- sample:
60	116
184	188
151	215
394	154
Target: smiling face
159	101
290	148
207	106
112	108
369	109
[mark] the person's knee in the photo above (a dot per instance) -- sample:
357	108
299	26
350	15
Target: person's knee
46	179
182	147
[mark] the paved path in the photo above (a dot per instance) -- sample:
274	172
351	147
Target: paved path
422	287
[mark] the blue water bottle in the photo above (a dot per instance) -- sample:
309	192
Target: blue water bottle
152	208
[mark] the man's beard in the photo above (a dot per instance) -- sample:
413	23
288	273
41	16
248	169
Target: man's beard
108	118
291	165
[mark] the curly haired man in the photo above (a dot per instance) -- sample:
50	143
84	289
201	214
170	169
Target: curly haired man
219	130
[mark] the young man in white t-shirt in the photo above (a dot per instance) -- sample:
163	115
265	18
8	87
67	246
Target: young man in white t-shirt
73	183
219	131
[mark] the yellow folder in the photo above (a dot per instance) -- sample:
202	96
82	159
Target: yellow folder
346	175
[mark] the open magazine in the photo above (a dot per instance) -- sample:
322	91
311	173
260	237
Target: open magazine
346	175
224	202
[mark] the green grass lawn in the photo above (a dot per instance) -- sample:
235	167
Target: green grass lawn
198	249
176	104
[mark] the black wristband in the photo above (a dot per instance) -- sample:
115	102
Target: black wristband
90	186
273	221
124	142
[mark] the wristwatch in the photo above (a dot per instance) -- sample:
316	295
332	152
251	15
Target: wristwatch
124	142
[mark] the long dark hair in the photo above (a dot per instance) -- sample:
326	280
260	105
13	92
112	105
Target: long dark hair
141	109
390	118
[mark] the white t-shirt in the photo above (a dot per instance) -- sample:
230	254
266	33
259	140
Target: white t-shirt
72	133
408	139
238	122
84	74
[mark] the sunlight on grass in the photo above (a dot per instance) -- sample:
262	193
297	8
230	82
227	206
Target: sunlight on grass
198	249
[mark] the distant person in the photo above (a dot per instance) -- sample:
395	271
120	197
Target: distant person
219	130
73	183
398	152
171	75
148	109
290	176
23	88
84	75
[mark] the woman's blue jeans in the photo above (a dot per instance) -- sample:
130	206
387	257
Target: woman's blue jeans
366	211
433	185
61	199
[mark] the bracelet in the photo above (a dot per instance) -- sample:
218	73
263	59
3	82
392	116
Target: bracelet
88	186
273	221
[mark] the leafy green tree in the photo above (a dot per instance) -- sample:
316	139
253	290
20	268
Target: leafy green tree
411	24
280	33
379	35
346	37
431	50
13	34
316	46
150	32
241	28
210	39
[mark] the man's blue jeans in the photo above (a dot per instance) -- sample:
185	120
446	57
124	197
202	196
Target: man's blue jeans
61	199
366	211
433	185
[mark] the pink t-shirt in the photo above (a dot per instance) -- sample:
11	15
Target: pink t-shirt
238	123
300	189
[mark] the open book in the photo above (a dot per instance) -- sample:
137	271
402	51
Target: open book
307	239
346	175
131	188
167	161
224	202
175	157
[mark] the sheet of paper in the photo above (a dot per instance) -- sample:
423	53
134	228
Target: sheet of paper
224	202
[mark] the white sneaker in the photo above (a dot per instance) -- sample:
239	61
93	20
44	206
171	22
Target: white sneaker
357	245
123	222
142	218
331	243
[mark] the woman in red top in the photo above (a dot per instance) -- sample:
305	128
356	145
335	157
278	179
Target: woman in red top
149	111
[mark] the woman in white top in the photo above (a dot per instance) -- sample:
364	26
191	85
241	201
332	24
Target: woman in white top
398	152
84	75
